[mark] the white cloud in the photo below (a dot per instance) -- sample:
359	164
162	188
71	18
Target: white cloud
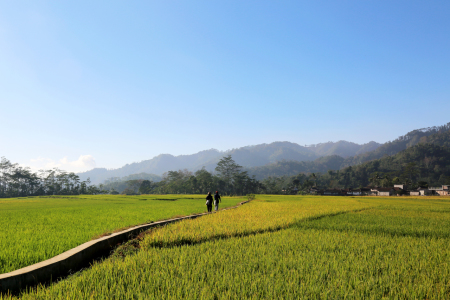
83	163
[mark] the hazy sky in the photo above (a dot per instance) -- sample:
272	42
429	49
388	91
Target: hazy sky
105	83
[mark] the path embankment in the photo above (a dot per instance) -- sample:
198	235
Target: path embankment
78	257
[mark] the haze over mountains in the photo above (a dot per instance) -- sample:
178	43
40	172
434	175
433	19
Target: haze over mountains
248	157
274	159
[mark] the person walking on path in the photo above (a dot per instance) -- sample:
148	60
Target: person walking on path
216	201
209	200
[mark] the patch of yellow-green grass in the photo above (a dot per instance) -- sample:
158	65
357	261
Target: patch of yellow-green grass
38	228
287	264
283	247
265	213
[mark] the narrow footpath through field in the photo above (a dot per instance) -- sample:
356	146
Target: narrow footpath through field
286	247
35	229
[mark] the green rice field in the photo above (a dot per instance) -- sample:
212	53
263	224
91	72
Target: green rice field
37	228
281	247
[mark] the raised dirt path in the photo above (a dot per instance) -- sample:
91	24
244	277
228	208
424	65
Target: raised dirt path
75	259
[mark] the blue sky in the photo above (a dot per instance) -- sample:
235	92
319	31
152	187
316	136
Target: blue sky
105	83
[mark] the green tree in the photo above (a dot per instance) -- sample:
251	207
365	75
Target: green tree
423	184
227	169
411	170
375	179
204	181
313	175
146	187
133	185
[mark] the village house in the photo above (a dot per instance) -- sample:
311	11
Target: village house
421	192
401	186
315	191
334	192
425	192
373	192
380	191
414	193
398	189
352	192
357	192
365	191
328	192
443	191
385	191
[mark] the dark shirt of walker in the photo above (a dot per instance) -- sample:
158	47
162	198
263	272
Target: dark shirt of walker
216	201
209	200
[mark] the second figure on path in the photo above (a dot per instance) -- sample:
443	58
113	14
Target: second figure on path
209	200
216	201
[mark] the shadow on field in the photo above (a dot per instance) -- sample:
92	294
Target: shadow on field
133	246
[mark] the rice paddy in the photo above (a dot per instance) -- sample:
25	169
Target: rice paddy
37	228
282	247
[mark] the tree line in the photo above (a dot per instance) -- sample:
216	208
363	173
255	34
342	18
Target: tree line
229	179
426	164
18	181
423	165
418	166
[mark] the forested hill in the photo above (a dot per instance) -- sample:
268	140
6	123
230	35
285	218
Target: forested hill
263	154
156	166
279	158
342	148
403	150
290	168
422	165
403	142
248	157
428	163
441	138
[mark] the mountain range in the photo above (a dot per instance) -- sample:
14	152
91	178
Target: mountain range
248	157
274	159
439	136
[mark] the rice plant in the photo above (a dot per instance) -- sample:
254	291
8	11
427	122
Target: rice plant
282	248
34	229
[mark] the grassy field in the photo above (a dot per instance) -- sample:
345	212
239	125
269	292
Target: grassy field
283	247
37	228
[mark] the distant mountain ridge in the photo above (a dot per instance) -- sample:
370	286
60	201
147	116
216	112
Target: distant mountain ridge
280	158
248	157
343	148
438	136
404	142
291	168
